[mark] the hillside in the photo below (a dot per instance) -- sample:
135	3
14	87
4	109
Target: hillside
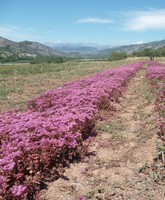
84	50
76	49
102	51
25	49
134	47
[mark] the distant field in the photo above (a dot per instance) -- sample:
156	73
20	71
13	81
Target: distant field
19	83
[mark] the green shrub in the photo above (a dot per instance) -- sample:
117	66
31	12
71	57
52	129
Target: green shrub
117	56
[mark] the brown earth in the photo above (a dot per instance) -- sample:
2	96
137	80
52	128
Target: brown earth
123	154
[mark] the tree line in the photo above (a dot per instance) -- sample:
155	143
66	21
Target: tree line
148	52
36	60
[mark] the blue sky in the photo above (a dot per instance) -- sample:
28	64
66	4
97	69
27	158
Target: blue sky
105	22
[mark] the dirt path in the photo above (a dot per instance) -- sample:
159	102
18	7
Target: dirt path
124	148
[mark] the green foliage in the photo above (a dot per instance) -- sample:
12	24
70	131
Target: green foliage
50	59
15	58
26	43
106	128
150	52
117	56
149	96
6	48
36	60
143	168
5	91
30	69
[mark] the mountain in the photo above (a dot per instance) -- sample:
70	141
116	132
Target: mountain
90	50
25	49
5	42
75	49
84	50
133	47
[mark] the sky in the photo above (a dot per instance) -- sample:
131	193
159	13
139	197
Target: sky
105	22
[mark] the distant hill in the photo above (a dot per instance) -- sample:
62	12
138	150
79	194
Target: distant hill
25	49
84	50
5	42
131	48
96	51
76	49
100	51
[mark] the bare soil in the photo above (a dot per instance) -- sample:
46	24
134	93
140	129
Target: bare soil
122	154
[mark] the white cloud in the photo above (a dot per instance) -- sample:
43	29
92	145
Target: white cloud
95	20
29	29
146	20
138	42
18	33
123	42
7	30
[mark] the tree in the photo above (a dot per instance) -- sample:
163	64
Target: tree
149	53
117	56
162	52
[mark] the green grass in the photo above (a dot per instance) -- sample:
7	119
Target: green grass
149	96
106	128
19	83
26	70
4	92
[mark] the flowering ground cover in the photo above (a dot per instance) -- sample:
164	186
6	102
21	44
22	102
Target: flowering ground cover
123	163
20	83
156	76
53	132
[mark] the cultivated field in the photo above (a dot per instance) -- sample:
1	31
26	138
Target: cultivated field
19	83
83	130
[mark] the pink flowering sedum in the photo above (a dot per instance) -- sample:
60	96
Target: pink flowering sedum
52	131
18	190
156	77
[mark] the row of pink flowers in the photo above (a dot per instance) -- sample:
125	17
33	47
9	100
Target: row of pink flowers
156	76
52	132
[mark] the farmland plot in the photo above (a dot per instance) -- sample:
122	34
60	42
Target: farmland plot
60	128
123	161
52	132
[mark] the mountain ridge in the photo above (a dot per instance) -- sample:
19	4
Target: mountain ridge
134	47
25	48
84	50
